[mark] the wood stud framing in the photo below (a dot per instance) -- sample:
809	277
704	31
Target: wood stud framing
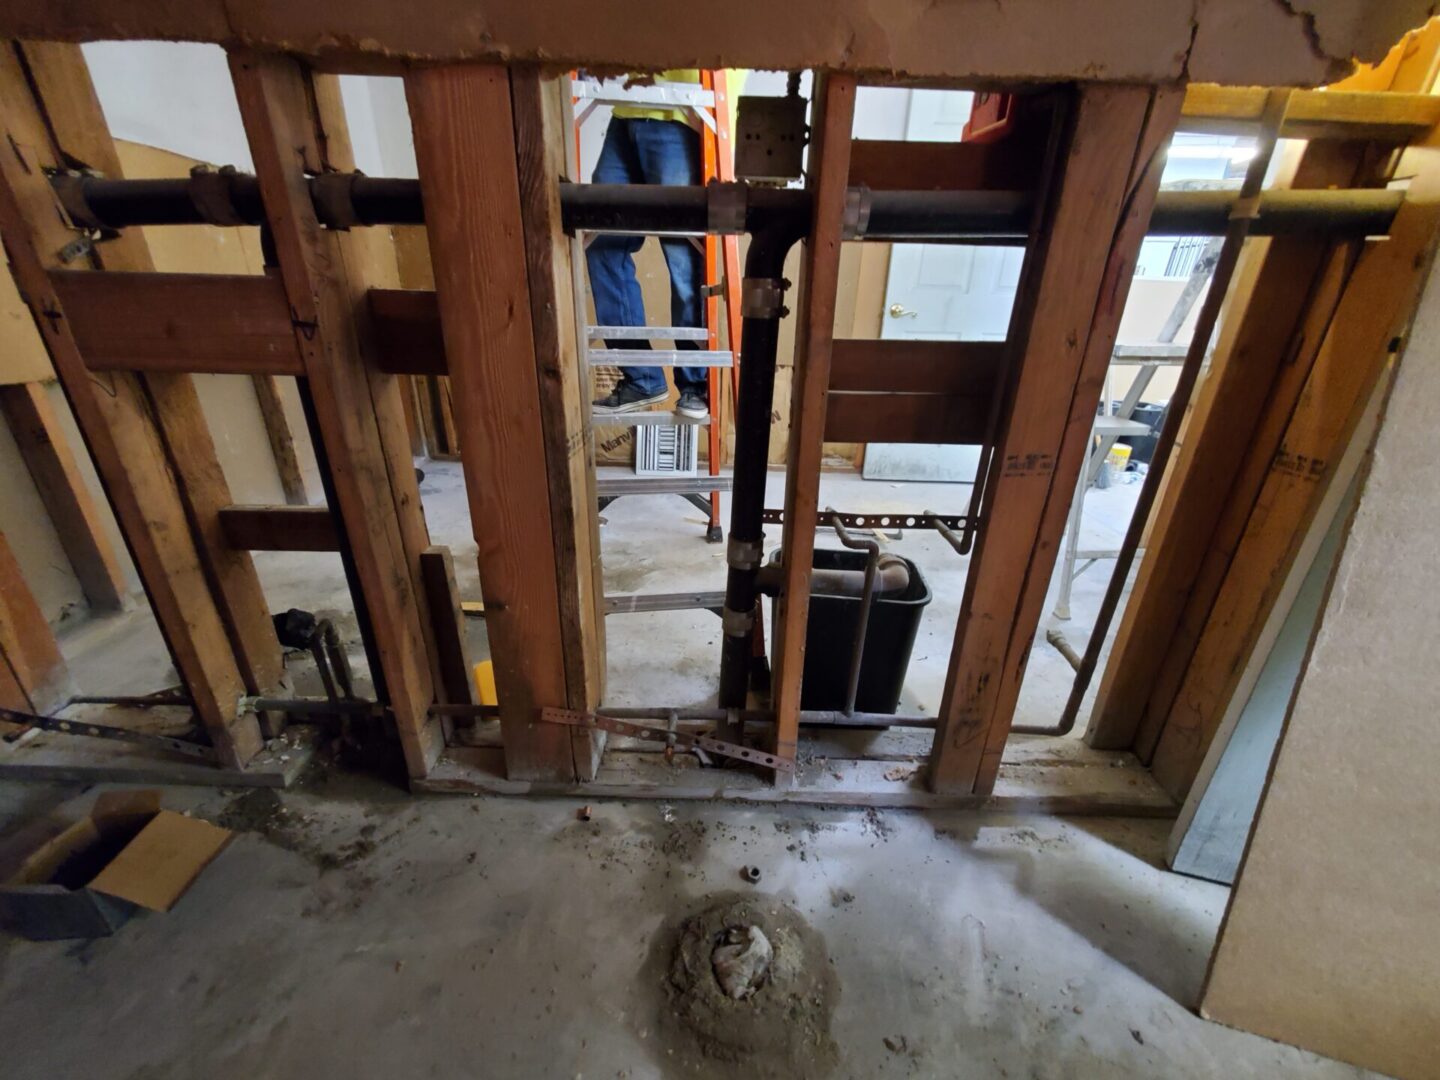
1296	366
32	421
219	649
834	99
1072	302
33	677
468	135
1352	350
281	105
1264	354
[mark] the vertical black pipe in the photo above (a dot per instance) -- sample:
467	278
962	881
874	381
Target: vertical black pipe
764	262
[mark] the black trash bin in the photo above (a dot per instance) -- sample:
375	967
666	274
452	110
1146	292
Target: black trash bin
830	637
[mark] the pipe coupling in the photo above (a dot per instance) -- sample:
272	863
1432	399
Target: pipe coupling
856	219
737	623
726	206
763	298
744	554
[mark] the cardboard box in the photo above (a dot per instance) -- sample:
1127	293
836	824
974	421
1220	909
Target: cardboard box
127	853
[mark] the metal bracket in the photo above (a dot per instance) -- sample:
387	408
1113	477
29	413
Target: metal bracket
69	188
857	213
744	554
736	623
726	205
763	298
211	195
333	193
103	731
573	718
1246	208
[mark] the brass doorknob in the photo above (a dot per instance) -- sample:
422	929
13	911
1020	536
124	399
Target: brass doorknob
900	311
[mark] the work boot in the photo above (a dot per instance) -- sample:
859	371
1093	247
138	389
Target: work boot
692	405
626	397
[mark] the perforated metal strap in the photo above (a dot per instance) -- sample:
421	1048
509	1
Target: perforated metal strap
574	718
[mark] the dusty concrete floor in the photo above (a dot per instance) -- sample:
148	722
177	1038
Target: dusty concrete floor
373	934
362	932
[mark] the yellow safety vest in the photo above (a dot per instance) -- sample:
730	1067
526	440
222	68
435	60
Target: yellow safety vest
651	112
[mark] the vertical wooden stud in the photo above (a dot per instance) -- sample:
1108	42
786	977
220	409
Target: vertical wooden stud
46	451
282	441
1109	177
32	671
465	124
283	115
115	416
76	123
829	172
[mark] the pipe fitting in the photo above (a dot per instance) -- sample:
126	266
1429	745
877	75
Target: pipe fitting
726	205
737	624
770	580
744	554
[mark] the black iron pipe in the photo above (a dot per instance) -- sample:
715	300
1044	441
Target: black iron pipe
759	338
980	216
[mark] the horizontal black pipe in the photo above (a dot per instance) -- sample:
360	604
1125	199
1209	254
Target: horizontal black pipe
983	216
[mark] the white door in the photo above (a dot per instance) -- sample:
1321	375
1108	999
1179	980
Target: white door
946	292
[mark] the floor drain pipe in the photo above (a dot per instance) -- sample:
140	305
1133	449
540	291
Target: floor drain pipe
762	304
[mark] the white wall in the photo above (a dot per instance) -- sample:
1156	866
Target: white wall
177	96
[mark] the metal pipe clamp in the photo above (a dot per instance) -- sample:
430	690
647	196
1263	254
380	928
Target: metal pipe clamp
857	213
737	623
762	298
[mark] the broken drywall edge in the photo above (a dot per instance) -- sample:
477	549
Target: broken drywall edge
1300	42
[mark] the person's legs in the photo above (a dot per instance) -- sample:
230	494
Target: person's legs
610	260
669	153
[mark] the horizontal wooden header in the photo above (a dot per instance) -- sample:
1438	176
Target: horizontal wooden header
1145	41
1312	113
279	528
215	323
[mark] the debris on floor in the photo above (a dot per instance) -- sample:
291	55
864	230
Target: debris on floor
748	985
742	961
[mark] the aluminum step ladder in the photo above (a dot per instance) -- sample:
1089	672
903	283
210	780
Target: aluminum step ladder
707	102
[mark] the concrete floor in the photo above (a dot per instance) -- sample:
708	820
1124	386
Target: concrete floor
504	937
363	932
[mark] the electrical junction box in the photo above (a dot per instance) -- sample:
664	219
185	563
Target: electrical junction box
770	139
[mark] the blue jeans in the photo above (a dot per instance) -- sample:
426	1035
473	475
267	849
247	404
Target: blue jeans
648	152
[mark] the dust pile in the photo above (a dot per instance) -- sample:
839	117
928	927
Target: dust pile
780	1029
262	811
